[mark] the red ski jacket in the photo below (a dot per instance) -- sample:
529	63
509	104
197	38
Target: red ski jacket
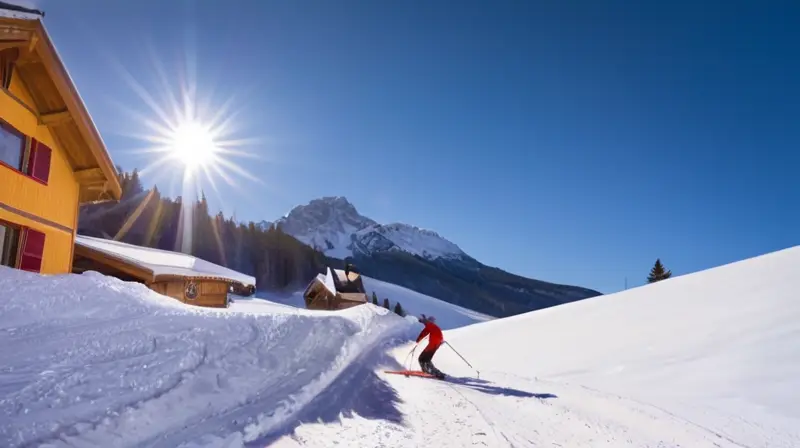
435	339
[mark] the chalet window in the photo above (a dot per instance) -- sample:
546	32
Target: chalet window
39	161
12	146
9	239
31	251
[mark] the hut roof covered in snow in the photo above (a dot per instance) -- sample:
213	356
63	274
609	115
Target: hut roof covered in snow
156	264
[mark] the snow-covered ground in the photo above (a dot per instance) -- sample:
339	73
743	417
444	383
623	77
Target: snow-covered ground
710	359
448	316
89	360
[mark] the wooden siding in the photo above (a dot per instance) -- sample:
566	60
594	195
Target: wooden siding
210	293
19	91
41	85
318	297
57	256
57	201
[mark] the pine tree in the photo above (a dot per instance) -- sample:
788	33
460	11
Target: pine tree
398	309
658	273
386	304
276	259
374	298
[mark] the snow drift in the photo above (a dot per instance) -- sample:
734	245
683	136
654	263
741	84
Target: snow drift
718	348
90	360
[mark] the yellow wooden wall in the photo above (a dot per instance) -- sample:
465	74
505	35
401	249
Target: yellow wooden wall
57	256
57	201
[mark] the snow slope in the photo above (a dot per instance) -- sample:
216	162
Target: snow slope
710	359
404	238
448	316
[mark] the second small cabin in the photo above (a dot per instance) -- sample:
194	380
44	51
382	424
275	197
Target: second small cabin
335	290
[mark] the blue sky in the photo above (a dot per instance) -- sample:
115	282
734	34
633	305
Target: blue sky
564	141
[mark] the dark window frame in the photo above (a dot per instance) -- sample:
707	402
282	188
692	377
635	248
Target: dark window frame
13	240
7	127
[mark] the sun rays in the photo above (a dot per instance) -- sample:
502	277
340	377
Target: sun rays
188	142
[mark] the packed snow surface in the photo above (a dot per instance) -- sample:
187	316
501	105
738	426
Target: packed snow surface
710	359
162	262
90	360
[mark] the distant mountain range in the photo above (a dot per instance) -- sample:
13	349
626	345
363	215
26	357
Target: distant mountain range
419	259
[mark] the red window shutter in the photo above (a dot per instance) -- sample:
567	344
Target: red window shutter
39	161
31	250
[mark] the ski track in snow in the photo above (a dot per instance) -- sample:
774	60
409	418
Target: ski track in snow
142	371
441	413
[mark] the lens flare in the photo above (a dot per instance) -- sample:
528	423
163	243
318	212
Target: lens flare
193	145
190	142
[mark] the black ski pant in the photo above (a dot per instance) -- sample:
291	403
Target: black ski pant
427	355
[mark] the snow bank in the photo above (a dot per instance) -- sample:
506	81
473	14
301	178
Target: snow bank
90	360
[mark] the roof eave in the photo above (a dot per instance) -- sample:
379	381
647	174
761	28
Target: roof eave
168	277
65	85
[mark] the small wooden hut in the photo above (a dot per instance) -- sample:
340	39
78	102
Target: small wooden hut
180	276
335	290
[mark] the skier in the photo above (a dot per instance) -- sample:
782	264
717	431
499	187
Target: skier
435	339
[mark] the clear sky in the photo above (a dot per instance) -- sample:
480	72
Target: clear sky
564	141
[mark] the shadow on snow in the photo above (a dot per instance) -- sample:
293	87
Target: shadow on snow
486	387
358	390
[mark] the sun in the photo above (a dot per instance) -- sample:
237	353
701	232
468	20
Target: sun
193	145
191	140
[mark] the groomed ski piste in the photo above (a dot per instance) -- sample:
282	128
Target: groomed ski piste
710	359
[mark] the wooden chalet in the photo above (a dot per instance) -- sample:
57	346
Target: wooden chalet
183	277
52	158
335	290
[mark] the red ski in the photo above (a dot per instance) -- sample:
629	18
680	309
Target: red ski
413	373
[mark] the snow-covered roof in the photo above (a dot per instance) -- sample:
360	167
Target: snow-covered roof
12	10
328	281
162	262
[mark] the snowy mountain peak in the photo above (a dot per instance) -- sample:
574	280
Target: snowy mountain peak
403	237
333	226
325	224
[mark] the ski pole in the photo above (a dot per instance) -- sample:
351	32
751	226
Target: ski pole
463	359
411	353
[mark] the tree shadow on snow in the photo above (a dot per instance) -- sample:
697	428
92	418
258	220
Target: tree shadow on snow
357	390
486	387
